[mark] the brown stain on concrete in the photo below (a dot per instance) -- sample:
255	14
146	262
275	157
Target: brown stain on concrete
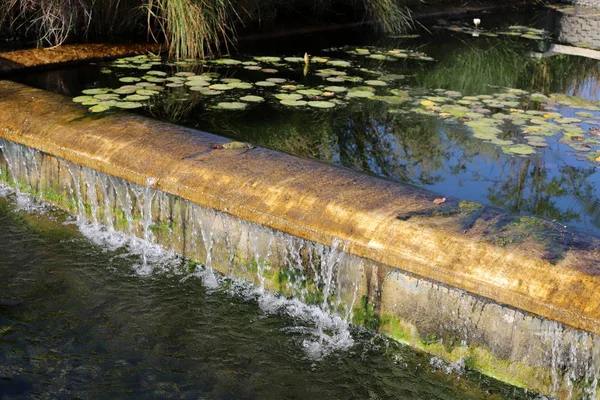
12	61
314	201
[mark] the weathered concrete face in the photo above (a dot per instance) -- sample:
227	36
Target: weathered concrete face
11	61
279	216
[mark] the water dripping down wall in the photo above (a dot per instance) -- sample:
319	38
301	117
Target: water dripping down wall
511	345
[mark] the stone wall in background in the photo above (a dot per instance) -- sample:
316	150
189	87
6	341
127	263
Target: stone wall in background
581	29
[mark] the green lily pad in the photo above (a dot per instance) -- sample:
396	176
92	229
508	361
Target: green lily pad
240	85
268	59
265	84
99	108
220	86
293	103
129	79
146	92
375	83
335	89
231	105
269	70
253	67
294	59
252	99
321	104
128	105
106	96
82	99
309	92
157	73
275	80
339	63
205	91
197	83
520	149
360	94
286	96
136	97
175	84
227	61
185	74
95	91
231	80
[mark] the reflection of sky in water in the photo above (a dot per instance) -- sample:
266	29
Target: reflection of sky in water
587	88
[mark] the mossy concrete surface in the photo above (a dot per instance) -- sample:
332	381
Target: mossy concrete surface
287	223
554	276
12	61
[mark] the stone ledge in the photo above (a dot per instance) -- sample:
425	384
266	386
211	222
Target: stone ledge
13	61
382	221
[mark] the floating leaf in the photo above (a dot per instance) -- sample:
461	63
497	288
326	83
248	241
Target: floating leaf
360	94
157	73
275	80
265	84
321	104
233	105
309	92
293	103
220	86
136	97
129	79
82	99
375	83
99	108
252	99
335	89
128	105
95	91
268	59
286	96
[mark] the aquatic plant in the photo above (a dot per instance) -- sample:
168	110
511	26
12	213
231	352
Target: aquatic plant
191	28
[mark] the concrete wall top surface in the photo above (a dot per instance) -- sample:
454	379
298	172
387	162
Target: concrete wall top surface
383	221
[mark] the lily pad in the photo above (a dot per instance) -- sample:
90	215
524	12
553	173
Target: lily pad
286	96
520	149
129	79
231	105
309	92
293	103
268	59
252	99
339	63
375	83
335	89
128	105
82	99
157	73
136	97
360	94
321	104
265	84
95	91
275	80
220	86
99	108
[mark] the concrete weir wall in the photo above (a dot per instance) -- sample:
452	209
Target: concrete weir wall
443	279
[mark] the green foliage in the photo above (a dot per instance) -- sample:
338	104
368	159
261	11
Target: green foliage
191	28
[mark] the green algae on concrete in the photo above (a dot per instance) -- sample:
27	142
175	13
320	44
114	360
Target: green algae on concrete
359	212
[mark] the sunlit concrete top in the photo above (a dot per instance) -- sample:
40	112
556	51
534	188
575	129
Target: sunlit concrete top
19	59
555	277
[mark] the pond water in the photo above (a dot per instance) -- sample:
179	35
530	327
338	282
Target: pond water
80	320
491	114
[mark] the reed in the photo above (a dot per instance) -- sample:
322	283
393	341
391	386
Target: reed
191	28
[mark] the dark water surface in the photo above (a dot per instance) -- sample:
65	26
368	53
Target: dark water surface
409	143
78	322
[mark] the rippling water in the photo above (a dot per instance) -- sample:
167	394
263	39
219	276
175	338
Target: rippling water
78	321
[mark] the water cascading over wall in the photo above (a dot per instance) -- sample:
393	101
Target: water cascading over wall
503	341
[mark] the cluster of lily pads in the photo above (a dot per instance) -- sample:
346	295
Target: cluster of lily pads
145	78
514	30
519	121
